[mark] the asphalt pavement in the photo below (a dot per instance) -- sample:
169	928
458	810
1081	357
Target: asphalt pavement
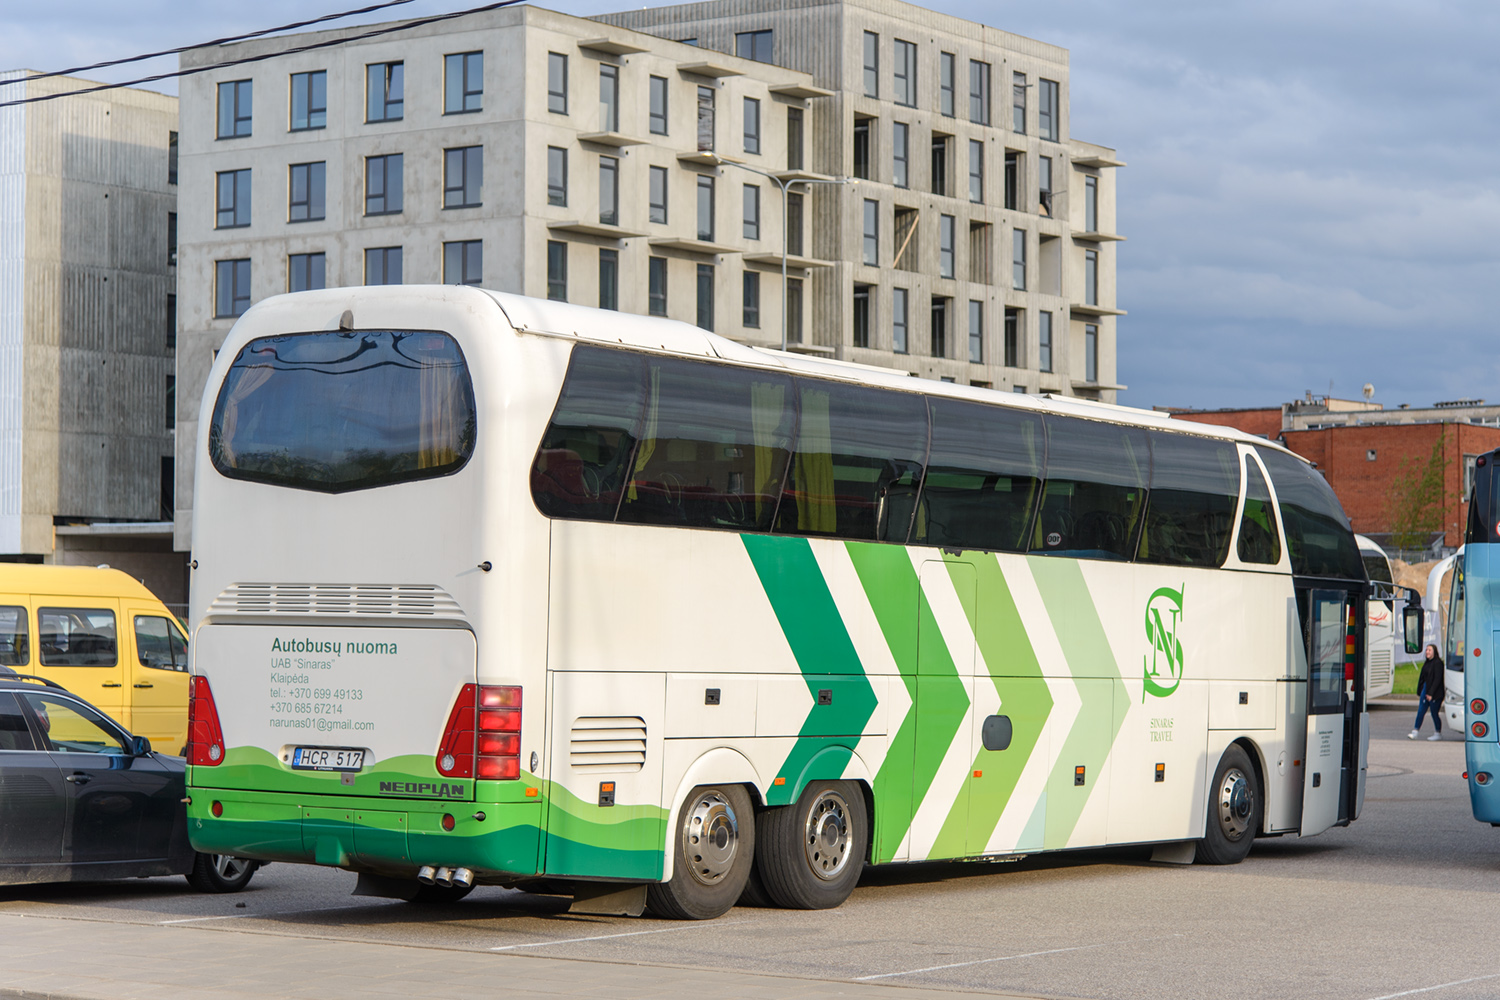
1402	903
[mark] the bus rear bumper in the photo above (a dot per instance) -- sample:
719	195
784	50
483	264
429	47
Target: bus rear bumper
1483	757
384	836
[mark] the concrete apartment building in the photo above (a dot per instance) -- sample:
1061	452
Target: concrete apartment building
87	328
554	156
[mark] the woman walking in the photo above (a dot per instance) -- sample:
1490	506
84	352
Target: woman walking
1430	694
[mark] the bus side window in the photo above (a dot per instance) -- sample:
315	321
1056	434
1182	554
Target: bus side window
1195	483
15	637
983	478
1259	542
1318	537
585	452
1095	489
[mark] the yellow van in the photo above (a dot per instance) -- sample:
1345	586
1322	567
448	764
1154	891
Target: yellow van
103	636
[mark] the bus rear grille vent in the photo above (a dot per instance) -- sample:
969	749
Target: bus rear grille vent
358	600
608	743
1380	666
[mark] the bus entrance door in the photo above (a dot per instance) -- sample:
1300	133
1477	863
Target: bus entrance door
1326	621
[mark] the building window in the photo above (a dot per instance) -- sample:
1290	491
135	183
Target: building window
609	191
234	199
609	279
794	138
1018	260
171	322
463	83
385	89
557	83
557	271
705	119
658	195
309	100
905	74
754	45
656	281
1012	180
794	311
752	125
976	332
946	239
234	109
1370	454
862	148
1090	352
940	146
463	262
1470	466
658	117
872	233
1013	338
751	308
872	64
1046	110
383	266
1044	340
1091	204
463	176
306	192
862	315
171	157
905	239
1091	277
979	252
900	140
1044	185
171	238
705	209
706	296
306	272
171	401
898	320
752	212
1018	103
794	224
609	98
946	73
939	344
979	92
231	287
557	176
383	184
976	171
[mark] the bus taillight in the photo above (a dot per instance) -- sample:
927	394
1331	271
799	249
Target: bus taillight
499	749
1477	706
205	737
455	756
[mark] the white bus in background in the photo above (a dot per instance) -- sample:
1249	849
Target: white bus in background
1381	627
1445	629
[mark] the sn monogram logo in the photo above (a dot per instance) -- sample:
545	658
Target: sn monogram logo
1163	617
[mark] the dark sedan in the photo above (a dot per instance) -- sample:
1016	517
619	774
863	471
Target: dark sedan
81	799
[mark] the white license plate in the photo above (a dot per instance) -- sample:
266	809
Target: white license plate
327	759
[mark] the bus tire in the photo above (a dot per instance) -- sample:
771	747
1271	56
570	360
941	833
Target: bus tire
220	873
715	849
1234	807
813	851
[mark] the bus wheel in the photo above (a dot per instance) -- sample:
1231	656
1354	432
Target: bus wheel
715	847
1234	804
812	852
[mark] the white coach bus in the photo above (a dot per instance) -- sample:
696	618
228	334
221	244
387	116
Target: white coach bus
1380	622
491	590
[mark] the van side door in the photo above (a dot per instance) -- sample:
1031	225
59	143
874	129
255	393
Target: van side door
158	678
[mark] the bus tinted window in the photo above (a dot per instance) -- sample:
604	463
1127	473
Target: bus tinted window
714	447
983	477
1317	532
1095	489
580	468
344	410
1259	541
858	462
1195	483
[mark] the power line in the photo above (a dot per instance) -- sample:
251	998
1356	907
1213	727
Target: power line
311	46
217	41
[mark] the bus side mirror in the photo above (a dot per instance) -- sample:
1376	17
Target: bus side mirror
1411	622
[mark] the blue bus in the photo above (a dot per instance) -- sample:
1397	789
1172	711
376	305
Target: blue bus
1480	620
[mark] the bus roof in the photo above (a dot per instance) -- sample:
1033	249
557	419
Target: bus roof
71	581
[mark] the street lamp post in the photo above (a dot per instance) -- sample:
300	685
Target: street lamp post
784	185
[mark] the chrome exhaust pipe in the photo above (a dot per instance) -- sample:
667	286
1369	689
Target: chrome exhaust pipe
462	878
443	877
427	875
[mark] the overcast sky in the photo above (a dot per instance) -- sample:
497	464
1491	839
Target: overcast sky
1310	200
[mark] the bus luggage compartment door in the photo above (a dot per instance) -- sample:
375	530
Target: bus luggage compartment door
1324	753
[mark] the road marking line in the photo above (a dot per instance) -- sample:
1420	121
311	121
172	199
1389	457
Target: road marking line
1444	986
1009	958
273	913
605	937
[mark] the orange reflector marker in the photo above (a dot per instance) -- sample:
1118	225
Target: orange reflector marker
1476	651
978	774
1296	763
1466	775
217	809
531	793
779	781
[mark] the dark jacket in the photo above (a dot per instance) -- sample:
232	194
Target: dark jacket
1430	681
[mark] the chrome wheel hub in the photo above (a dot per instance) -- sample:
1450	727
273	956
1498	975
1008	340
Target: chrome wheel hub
1236	803
826	844
710	837
229	868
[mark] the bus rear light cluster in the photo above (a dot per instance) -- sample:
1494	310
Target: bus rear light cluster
1481	777
1477	706
1479	729
483	736
205	736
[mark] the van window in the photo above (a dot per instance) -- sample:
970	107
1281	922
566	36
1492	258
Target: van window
76	637
158	644
15	638
1195	483
1096	487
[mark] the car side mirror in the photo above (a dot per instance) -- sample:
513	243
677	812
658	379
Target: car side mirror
1411	623
139	746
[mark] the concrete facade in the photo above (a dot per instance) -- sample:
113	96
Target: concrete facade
86	332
